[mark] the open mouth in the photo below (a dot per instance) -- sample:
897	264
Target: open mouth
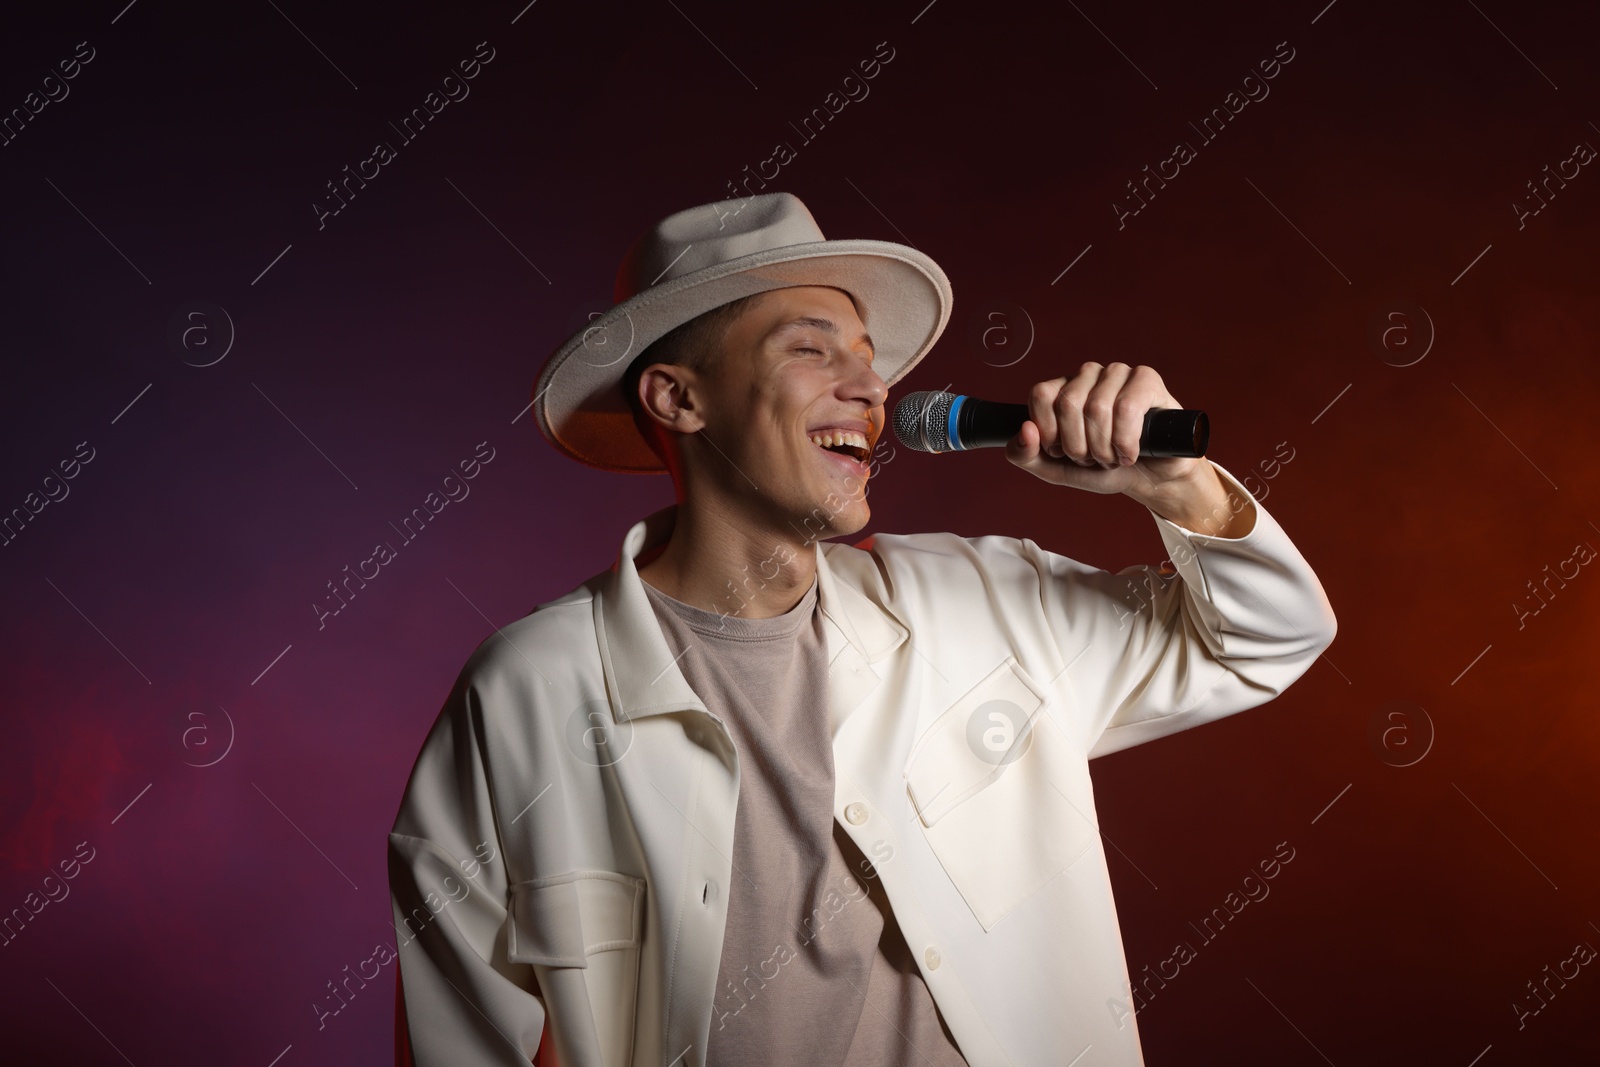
846	443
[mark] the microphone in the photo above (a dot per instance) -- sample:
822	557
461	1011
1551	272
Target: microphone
946	422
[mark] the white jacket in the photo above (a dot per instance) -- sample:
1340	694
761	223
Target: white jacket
568	826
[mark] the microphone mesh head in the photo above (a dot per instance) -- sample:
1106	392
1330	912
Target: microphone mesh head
922	421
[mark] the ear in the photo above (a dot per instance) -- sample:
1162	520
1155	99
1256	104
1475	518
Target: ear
669	397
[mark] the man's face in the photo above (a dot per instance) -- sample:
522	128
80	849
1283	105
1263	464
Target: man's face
793	409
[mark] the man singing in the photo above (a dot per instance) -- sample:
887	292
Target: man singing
753	796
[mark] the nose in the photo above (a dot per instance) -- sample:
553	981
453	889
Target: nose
865	384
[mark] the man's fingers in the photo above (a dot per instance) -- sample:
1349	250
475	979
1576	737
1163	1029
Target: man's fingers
1128	421
1072	434
1042	412
1096	417
1100	415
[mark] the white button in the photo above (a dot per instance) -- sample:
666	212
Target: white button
856	813
932	957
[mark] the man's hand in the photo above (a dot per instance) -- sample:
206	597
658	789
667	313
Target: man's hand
1084	432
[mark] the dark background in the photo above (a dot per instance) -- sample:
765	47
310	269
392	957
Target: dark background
162	611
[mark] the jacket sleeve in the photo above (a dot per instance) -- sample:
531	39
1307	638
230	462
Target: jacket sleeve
464	1001
1150	652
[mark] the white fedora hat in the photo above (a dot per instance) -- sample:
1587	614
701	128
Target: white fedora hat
707	256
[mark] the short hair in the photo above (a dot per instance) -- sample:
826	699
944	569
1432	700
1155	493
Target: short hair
694	344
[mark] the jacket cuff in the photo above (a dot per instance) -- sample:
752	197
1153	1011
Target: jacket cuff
1171	530
1184	545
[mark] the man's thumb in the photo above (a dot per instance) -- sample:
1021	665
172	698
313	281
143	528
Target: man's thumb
1023	449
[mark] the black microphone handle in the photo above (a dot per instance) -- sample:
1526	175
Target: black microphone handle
1167	431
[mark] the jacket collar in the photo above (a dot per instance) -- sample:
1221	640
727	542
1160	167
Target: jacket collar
640	672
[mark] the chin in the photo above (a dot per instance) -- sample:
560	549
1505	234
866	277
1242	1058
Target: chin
827	519
851	518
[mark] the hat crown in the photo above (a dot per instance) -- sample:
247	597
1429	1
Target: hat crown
709	234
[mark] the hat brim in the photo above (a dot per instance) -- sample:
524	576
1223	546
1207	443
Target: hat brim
903	296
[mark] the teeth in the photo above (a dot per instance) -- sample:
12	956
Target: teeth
834	438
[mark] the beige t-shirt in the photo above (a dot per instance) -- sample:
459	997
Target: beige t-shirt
814	969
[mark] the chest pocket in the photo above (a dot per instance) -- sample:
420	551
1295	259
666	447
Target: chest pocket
1001	793
581	932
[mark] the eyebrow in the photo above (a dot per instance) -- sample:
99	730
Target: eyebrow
826	326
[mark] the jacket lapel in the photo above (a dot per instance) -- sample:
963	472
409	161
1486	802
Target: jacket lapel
641	677
859	632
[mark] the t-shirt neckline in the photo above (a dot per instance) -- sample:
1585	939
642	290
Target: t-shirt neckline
733	626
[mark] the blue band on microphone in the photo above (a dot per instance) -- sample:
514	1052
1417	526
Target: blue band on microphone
950	425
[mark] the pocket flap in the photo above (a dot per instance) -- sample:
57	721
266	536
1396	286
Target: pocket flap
973	741
562	920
